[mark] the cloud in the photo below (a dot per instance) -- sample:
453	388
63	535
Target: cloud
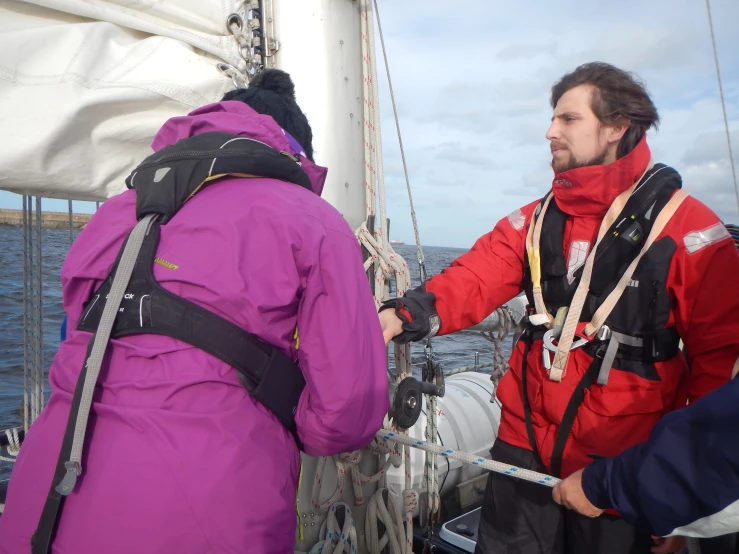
711	147
474	106
472	93
526	51
472	156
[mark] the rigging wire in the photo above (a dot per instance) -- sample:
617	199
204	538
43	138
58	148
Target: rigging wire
723	101
419	250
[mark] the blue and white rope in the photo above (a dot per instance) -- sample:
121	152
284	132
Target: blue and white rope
334	539
490	465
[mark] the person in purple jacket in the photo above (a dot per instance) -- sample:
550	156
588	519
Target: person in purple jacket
245	263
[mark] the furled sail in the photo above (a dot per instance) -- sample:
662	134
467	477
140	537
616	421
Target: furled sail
85	85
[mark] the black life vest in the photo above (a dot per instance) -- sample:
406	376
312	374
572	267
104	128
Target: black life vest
164	182
644	307
641	312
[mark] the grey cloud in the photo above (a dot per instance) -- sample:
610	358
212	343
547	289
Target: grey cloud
480	107
489	99
477	120
464	154
526	51
537	181
711	147
708	178
532	133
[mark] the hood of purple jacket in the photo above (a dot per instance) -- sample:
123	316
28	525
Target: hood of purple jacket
237	118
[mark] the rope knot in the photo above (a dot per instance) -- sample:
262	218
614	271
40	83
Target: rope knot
410	500
352	458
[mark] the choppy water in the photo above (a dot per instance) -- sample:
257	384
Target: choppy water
453	351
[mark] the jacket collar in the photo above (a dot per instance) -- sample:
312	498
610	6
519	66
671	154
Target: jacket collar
590	191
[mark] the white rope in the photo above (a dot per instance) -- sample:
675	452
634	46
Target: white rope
386	264
431	467
334	539
14	445
431	470
325	505
491	465
349	463
376	130
388	513
382	257
378	510
500	360
353	460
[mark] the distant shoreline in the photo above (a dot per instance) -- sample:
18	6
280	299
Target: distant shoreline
49	220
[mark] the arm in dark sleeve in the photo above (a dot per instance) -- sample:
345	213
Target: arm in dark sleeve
685	479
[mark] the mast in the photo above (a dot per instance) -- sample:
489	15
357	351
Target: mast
319	44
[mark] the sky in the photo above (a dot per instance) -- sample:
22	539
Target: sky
472	81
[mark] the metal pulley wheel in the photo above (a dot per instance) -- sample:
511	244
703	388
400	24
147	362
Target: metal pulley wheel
405	402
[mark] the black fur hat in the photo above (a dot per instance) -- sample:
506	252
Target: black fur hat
272	93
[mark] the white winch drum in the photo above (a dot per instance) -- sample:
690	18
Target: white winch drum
467	421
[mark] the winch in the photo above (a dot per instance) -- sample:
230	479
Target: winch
406	396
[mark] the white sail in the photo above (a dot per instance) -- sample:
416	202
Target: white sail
81	98
85	85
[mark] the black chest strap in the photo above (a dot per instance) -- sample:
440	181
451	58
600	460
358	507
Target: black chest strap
269	375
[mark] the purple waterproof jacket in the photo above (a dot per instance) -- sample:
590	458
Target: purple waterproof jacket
178	457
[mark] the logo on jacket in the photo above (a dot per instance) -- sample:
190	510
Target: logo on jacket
562	183
578	255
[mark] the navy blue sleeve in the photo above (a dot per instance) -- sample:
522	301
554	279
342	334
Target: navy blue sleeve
685	479
64	329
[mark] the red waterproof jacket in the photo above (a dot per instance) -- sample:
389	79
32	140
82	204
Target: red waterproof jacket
702	304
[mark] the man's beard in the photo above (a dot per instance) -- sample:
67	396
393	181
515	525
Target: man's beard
574	163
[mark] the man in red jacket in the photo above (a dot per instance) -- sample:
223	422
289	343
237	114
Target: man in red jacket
619	264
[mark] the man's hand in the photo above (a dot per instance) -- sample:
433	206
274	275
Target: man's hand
569	493
392	325
667	545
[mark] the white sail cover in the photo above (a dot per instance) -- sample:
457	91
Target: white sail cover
85	85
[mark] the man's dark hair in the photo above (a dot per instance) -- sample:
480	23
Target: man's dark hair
618	95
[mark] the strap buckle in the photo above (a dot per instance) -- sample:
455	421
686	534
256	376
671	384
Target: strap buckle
550	348
74	470
549	339
603	334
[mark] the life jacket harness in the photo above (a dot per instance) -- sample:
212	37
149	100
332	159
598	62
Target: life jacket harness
131	301
621	330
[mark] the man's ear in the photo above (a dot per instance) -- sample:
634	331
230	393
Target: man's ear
617	130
